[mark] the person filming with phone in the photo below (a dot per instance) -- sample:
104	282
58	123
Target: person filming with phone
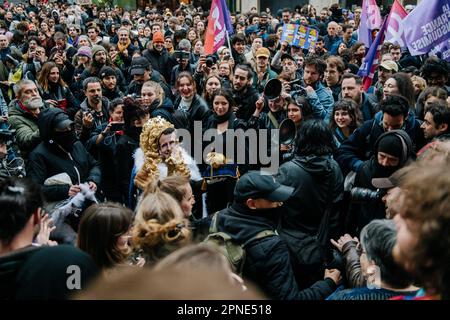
103	142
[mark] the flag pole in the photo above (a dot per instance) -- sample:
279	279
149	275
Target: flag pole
228	40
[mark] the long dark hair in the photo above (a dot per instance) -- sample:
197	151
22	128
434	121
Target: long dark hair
314	138
100	228
405	87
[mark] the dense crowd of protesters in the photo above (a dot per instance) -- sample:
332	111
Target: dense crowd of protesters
95	170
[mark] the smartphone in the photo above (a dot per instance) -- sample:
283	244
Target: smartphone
117	126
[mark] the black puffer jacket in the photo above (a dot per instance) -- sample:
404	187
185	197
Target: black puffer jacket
125	148
160	61
245	102
317	181
165	110
198	111
48	159
267	261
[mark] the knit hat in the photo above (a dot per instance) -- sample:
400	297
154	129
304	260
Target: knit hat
158	37
97	48
85	51
106	71
391	145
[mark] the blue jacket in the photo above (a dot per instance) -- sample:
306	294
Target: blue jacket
359	146
335	45
321	102
328	42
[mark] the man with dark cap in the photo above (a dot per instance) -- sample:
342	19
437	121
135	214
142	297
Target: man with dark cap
61	152
141	71
251	221
108	79
393	151
393	189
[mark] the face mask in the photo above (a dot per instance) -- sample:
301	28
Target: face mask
65	139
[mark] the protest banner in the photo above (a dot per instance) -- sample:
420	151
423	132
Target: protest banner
427	27
289	31
299	36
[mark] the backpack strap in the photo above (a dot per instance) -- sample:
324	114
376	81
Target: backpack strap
214	221
260	235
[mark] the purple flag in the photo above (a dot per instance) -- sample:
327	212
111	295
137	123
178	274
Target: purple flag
370	19
226	17
371	60
427	27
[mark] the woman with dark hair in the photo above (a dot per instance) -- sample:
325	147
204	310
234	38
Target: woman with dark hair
134	117
299	110
46	42
190	106
345	118
103	142
400	83
197	50
104	232
220	177
55	91
318	183
212	85
359	52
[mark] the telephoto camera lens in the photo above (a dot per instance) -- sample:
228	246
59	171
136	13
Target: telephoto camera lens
365	195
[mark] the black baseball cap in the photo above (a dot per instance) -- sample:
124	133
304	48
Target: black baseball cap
61	121
256	185
106	71
139	65
287	56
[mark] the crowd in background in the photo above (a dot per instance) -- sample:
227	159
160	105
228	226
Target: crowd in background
93	171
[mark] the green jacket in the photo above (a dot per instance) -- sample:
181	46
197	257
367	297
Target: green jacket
27	131
270	74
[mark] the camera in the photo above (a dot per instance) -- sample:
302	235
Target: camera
210	60
366	195
7	135
180	55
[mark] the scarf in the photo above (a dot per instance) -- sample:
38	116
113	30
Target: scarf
225	117
185	103
121	47
14	77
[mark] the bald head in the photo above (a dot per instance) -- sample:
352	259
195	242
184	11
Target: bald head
3	41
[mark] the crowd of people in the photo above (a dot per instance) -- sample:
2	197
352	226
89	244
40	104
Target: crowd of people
103	113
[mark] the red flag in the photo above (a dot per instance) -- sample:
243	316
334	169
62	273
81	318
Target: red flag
215	34
394	32
371	60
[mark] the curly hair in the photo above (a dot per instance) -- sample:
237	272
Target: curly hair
159	226
149	143
427	204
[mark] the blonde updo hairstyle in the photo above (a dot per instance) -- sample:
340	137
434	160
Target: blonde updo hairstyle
149	143
159	226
